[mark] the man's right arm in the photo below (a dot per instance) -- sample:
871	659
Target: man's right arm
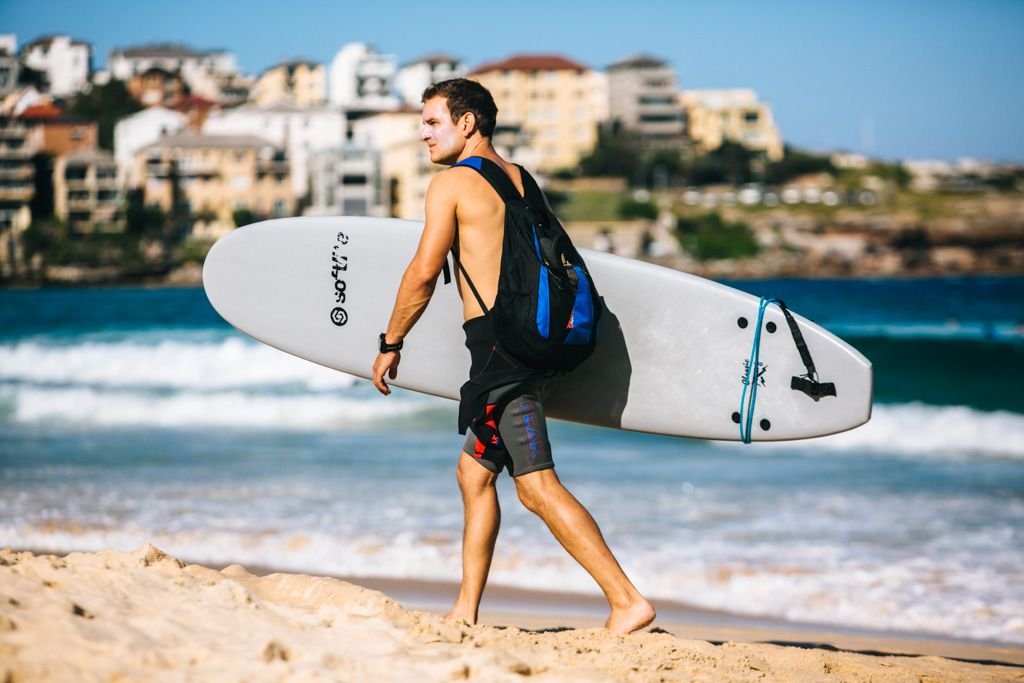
420	277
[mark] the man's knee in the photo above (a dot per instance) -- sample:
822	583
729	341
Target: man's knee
536	489
472	476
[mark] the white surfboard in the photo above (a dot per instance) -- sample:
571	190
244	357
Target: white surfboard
670	360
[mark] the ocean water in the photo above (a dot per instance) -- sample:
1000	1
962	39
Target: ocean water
133	415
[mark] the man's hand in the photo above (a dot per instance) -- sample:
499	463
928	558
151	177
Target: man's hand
386	362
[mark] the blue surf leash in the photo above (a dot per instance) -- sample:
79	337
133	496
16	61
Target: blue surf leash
751	379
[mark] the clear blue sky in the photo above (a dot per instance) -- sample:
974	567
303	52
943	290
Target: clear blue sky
897	79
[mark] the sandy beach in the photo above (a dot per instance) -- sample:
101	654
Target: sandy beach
147	616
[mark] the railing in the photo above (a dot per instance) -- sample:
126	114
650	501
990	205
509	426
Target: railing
17	172
17	193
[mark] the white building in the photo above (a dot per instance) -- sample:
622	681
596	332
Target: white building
413	78
301	131
362	78
642	97
737	115
206	73
66	62
346	181
9	64
139	130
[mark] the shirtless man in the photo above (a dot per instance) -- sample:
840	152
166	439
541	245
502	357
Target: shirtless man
458	122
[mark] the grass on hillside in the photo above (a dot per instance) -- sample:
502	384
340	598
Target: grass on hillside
590	205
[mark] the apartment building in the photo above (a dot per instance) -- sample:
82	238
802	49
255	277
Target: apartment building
17	188
53	131
362	78
87	195
413	78
556	101
301	131
298	82
10	65
66	62
736	115
156	87
405	166
642	98
210	74
346	181
217	175
139	130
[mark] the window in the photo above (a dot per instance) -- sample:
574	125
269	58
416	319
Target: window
355	207
353	179
659	118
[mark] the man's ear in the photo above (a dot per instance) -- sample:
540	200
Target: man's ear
468	123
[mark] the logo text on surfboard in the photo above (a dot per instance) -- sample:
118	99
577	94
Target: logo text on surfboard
761	369
339	264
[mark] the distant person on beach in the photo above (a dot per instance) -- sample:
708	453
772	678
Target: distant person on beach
465	215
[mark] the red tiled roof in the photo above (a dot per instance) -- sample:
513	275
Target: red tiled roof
531	62
187	102
42	111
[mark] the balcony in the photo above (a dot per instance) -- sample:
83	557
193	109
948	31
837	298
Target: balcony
19	172
20	152
13	131
21	193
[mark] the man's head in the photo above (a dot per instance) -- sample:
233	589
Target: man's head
455	111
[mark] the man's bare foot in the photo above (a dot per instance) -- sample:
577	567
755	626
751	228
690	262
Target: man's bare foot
632	618
458	617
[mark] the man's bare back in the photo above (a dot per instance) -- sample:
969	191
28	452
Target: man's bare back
480	217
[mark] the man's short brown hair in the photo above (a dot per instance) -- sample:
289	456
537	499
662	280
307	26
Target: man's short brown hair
463	96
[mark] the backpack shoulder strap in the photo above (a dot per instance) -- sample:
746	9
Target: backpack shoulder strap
495	175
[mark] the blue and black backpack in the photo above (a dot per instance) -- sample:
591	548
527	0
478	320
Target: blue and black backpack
547	309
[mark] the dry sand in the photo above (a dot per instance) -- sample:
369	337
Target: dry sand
146	616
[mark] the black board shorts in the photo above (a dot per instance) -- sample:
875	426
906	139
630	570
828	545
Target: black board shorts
510	431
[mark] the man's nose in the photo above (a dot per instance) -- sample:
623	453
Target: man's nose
424	133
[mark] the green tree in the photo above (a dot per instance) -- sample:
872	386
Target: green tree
142	220
893	172
796	163
616	155
632	208
730	163
106	105
708	237
243	217
663	167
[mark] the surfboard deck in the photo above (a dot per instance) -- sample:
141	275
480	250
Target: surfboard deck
671	357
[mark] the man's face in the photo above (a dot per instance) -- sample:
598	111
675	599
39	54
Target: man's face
444	137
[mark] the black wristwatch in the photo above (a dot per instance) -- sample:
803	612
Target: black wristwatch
388	348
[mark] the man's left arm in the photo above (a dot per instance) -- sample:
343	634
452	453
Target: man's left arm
420	277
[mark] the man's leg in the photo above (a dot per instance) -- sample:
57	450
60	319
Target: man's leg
480	530
542	493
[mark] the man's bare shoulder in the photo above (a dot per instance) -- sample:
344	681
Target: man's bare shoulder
451	179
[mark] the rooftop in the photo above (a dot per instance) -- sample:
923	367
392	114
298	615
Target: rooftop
166	50
188	102
190	140
532	62
89	156
435	58
47	40
638	61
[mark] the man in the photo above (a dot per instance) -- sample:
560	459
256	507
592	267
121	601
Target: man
465	213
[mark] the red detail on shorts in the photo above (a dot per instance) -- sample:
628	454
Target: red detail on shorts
572	317
480	447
